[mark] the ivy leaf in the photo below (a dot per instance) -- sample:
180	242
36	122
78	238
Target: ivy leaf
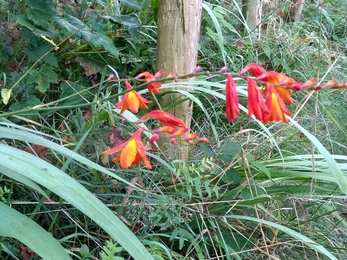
35	53
43	78
131	4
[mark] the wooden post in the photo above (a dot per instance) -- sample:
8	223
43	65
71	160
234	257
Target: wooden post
177	48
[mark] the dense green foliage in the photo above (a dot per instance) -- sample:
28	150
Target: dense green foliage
253	192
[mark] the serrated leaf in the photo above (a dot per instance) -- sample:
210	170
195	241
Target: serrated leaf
43	78
6	94
35	53
131	4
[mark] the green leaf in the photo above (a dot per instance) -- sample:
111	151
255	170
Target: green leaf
131	4
6	94
207	150
36	53
227	151
72	191
23	179
231	176
16	225
43	78
335	170
303	239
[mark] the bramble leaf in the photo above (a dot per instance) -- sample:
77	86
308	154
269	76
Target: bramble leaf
43	78
35	53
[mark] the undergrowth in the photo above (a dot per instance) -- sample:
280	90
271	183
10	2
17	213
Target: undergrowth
252	192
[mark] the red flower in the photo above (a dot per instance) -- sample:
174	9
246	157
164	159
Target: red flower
231	99
256	102
131	151
255	69
133	100
276	106
154	86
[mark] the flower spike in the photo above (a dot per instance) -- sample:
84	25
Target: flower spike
131	151
133	100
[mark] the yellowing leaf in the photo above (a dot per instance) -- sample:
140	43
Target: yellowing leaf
5	94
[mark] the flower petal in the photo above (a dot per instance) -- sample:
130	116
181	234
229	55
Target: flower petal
133	102
128	154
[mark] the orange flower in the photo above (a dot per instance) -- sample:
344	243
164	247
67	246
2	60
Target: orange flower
275	104
154	86
131	151
133	100
231	99
164	117
255	69
280	79
256	103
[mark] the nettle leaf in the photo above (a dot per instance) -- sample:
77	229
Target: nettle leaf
41	11
35	53
131	4
76	26
43	78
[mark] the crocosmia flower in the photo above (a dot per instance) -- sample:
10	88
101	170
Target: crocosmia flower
256	102
279	79
276	106
133	100
131	152
231	99
154	86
